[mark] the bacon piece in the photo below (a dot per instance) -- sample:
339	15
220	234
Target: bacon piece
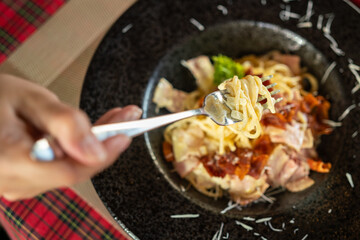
274	119
319	166
263	145
187	166
257	165
292	61
168	97
167	151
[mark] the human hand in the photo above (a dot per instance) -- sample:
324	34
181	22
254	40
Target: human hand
26	112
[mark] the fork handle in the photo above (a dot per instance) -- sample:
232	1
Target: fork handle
42	151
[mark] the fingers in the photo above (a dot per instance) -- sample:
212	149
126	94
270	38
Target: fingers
71	128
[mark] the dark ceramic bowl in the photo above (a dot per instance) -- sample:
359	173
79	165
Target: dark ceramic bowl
142	191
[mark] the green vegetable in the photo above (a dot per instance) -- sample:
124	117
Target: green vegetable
226	68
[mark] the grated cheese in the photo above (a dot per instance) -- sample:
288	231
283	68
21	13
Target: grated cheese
197	24
304	25
346	112
248	218
263	238
283	225
185	216
332	123
354	70
334	45
274	229
126	28
256	234
220	231
349	178
308	11
327	27
330	210
296	230
222	9
263	220
246	227
292	221
228	208
227	236
305	237
327	72
352	5
319	22
263	2
354	134
285	15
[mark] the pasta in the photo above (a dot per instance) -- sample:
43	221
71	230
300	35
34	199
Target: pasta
272	145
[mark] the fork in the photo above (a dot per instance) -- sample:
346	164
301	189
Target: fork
42	150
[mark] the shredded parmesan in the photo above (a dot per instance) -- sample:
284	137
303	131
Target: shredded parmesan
248	218
352	5
197	24
185	216
285	15
126	28
292	221
332	123
263	2
334	45
261	220
330	210
319	22
305	237
327	27
222	9
346	112
354	70
354	134
263	238
283	225
308	11
247	227
304	25
296	230
227	236
349	178
274	229
228	208
256	234
327	72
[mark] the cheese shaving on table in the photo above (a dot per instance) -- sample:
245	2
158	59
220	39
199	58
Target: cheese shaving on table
346	112
197	24
327	72
304	25
185	216
350	180
247	227
261	220
222	9
305	237
353	6
126	28
274	229
354	134
319	22
248	218
327	28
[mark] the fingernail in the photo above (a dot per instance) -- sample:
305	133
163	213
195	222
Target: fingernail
93	148
135	113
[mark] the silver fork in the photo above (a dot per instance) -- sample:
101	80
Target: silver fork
42	150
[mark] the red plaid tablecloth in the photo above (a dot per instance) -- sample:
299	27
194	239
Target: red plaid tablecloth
61	213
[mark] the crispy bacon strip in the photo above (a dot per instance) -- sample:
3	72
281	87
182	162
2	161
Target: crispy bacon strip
319	166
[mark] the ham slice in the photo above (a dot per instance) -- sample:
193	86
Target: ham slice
293	135
187	166
203	71
168	97
292	61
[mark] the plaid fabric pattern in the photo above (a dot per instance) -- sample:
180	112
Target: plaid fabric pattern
20	18
58	214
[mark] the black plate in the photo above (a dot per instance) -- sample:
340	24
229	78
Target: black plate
141	191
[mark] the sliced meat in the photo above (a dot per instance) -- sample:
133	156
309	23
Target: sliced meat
292	61
168	97
186	166
300	184
203	71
